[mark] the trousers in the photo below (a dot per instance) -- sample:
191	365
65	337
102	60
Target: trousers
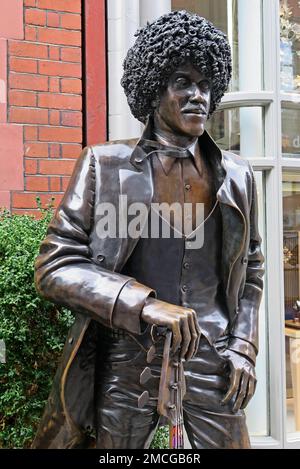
120	424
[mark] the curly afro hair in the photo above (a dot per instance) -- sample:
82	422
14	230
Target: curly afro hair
165	44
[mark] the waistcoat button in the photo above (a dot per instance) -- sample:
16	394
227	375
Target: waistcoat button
188	187
184	288
186	265
100	258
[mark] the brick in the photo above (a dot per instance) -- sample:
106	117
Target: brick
30	133
28	200
28	115
71	151
64	183
73	6
31	166
36	149
54	84
56	166
73	119
23	200
37	214
59	36
28	82
54	150
53	19
17	64
37	17
27	49
60	134
54	53
59	101
30	33
59	69
36	183
71	54
55	184
54	118
29	3
71	85
69	21
22	98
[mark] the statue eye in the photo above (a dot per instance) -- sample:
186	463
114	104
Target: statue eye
205	85
181	81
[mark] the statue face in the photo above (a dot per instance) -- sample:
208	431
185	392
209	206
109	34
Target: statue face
184	105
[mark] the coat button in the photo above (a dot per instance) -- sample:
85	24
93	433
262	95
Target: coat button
71	340
244	260
187	187
100	258
186	265
184	288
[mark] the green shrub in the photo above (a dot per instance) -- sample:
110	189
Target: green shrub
33	331
161	438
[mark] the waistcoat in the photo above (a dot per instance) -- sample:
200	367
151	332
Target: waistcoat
183	272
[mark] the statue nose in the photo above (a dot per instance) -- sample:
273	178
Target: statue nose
196	95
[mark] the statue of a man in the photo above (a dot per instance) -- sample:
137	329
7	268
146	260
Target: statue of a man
203	281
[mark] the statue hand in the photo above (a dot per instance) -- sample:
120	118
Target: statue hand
182	321
242	379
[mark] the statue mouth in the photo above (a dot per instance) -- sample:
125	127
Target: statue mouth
195	111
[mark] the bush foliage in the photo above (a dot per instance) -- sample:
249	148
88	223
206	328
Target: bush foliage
33	331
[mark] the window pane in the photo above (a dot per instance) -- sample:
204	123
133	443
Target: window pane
291	246
290	45
240	20
239	130
291	130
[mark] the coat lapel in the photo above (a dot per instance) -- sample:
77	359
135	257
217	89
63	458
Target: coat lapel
136	190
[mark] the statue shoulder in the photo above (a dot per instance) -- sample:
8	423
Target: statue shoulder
235	160
115	152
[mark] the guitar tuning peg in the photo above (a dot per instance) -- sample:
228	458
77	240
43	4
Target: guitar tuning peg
143	399
151	354
146	375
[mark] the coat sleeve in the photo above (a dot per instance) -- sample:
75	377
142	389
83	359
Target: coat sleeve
64	271
244	336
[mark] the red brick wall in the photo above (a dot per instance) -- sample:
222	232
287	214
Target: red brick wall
44	97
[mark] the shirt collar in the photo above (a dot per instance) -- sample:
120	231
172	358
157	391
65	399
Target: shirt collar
168	154
168	162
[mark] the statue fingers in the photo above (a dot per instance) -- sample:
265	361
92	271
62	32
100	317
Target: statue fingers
176	335
250	392
194	343
242	392
186	338
235	377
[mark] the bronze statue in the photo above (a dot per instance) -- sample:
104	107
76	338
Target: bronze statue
202	283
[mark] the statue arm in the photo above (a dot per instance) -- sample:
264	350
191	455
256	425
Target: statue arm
244	336
64	271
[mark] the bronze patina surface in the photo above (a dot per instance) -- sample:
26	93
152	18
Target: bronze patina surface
122	287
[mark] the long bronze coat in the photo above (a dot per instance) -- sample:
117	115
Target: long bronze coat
80	270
